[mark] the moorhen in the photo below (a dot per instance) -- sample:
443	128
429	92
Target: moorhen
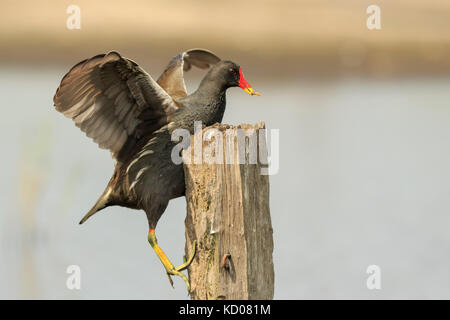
120	106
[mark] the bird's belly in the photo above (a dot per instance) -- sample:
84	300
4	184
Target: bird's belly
158	178
168	182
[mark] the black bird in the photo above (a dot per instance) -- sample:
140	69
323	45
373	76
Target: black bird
120	106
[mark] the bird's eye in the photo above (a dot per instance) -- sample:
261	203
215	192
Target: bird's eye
231	71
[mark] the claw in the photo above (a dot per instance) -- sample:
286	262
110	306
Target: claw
170	279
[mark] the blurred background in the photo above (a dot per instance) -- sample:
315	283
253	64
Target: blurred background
364	144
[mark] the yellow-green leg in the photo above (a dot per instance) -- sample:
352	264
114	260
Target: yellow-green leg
170	268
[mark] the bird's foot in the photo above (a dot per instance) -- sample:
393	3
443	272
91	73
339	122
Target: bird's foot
170	268
175	272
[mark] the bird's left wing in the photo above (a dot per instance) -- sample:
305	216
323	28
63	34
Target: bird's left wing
172	79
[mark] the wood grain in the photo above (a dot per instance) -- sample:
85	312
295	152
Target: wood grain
228	214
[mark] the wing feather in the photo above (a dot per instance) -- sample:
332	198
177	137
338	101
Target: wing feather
106	95
172	79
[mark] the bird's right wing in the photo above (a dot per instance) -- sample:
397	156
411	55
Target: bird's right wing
110	98
172	79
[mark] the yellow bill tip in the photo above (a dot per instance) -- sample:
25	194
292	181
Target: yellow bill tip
252	92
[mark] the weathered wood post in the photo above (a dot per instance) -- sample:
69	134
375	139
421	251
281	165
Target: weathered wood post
228	214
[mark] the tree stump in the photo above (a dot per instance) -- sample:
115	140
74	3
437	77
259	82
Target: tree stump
228	215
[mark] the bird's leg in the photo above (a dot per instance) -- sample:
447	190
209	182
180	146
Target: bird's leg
170	268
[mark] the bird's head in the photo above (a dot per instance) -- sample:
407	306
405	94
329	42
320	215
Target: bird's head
230	74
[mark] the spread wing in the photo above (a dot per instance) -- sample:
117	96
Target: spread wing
172	80
109	98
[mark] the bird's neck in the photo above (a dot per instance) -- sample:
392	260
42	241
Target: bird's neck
210	88
206	104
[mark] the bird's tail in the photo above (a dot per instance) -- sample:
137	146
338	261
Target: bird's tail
102	202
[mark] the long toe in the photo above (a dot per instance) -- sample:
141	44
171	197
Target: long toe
187	263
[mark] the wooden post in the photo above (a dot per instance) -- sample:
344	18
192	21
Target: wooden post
228	214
